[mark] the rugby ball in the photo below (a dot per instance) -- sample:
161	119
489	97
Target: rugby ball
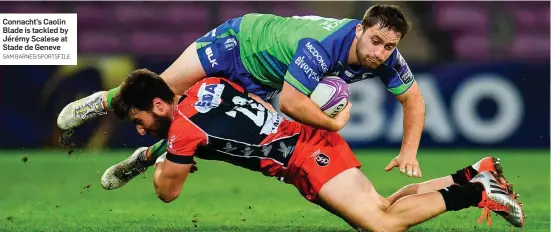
331	95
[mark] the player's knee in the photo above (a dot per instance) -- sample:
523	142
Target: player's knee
404	191
383	203
381	222
392	224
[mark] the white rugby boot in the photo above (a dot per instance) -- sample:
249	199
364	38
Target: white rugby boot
496	198
119	174
78	112
493	165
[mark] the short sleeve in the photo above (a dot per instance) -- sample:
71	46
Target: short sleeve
308	65
184	138
400	78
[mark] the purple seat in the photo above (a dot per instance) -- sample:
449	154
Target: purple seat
100	41
456	16
162	16
524	19
154	43
291	9
545	17
93	11
533	46
138	12
472	46
188	12
529	18
184	16
161	42
33	7
235	9
94	15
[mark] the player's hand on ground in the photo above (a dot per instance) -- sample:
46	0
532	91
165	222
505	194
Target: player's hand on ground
408	164
342	117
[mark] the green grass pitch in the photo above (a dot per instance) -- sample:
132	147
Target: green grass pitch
57	192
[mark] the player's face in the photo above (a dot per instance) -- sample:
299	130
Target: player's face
375	45
152	124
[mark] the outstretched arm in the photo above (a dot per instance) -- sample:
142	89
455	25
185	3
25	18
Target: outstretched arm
170	174
169	179
414	119
406	90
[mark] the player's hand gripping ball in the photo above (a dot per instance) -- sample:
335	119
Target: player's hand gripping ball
331	95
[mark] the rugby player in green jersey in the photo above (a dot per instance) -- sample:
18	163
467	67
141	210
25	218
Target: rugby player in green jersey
269	55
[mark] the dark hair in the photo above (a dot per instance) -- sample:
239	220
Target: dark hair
387	16
138	91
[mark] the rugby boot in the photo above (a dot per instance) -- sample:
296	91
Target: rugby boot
496	198
494	166
78	112
119	174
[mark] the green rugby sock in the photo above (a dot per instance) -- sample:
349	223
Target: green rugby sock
110	94
158	149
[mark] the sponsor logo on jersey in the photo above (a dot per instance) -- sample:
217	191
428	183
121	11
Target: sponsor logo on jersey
317	56
171	141
301	63
403	70
321	159
230	44
331	24
406	76
208	97
210	54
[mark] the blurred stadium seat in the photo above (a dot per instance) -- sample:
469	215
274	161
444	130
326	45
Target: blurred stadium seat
32	7
531	46
472	46
236	9
462	16
291	9
96	41
95	15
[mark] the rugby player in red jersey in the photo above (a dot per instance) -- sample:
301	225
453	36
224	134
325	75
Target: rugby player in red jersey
217	120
